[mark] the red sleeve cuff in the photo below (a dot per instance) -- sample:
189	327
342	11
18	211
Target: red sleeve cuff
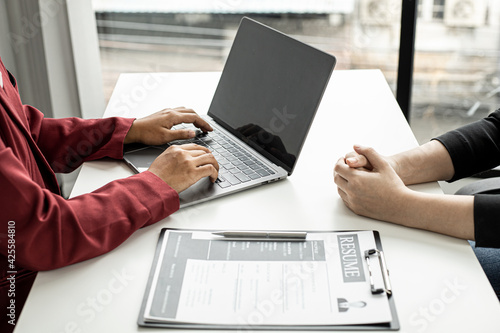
123	126
158	196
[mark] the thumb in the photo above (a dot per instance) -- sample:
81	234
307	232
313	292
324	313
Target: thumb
374	158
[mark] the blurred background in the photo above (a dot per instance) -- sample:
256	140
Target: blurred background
456	73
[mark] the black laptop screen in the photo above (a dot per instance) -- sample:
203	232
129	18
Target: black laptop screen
270	90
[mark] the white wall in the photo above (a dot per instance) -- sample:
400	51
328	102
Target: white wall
5	51
56	63
86	55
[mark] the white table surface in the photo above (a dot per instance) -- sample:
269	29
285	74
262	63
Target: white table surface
438	284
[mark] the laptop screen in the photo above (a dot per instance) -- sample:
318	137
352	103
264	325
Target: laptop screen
270	90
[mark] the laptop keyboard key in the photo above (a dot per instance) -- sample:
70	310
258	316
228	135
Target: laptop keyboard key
262	172
233	170
248	171
224	184
231	179
242	177
271	172
254	176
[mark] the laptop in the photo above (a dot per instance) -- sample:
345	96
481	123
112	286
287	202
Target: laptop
261	112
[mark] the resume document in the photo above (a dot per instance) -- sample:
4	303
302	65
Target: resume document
322	280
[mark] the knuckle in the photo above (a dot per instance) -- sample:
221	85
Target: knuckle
174	148
338	166
164	136
336	177
178	153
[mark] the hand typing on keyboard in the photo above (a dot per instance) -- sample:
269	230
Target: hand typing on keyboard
180	166
158	128
236	165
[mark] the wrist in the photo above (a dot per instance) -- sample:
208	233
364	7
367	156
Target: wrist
132	134
451	215
403	203
403	167
409	201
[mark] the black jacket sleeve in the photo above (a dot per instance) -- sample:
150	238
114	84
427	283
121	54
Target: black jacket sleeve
474	148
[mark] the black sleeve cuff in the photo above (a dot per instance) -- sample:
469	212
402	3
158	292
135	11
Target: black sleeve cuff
487	220
454	143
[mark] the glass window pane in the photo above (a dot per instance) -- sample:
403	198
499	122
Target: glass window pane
456	78
438	10
196	35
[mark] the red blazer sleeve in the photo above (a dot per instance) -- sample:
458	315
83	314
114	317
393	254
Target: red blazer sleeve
52	232
68	142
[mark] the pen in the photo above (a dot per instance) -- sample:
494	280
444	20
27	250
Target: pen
262	234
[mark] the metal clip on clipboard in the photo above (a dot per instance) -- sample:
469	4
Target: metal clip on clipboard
385	272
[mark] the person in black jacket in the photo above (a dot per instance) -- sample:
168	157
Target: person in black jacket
375	186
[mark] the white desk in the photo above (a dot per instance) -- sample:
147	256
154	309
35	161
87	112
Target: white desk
438	284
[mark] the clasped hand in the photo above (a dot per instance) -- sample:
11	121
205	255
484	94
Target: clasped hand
179	166
369	184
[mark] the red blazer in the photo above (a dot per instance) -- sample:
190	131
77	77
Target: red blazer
39	229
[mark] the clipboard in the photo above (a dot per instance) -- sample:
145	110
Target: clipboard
369	256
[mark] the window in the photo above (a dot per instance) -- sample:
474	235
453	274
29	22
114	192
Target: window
438	9
196	35
431	10
456	76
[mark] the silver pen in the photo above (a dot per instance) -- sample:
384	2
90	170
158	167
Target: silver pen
262	234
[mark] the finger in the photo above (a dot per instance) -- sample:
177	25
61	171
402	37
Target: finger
208	170
178	115
198	152
192	149
344	197
343	169
372	157
358	161
180	109
207	165
351	154
189	116
194	146
206	159
340	181
203	125
180	134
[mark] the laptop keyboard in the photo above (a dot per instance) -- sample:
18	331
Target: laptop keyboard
236	166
